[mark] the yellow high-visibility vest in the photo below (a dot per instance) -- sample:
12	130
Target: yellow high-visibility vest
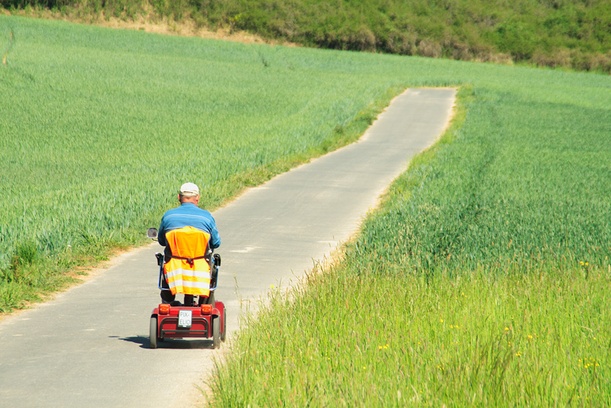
188	271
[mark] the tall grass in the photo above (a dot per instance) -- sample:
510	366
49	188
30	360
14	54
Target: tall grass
363	340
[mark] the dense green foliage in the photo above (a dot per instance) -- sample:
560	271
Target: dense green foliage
482	280
459	29
567	33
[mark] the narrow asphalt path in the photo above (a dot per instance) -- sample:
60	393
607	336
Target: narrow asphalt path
89	346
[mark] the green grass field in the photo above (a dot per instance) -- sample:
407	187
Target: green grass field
482	279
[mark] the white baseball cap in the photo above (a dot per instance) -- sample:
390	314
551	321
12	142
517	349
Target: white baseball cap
189	190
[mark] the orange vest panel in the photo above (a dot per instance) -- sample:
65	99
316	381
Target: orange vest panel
189	276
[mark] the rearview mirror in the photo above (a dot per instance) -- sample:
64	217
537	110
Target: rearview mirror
151	233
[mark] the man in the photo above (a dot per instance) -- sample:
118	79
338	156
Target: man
187	215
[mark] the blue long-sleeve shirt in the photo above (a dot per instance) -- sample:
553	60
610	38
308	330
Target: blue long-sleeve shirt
189	215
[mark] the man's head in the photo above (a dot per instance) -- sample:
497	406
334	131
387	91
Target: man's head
188	193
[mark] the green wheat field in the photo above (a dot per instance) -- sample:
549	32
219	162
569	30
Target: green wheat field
483	278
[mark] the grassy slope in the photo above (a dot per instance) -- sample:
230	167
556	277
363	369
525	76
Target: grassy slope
483	279
568	33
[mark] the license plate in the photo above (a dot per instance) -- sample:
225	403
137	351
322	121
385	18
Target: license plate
185	317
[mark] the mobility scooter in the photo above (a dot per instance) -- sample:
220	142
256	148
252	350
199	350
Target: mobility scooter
199	316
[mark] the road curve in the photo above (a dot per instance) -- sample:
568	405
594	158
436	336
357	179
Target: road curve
89	346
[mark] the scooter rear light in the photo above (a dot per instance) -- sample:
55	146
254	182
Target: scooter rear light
206	309
164	309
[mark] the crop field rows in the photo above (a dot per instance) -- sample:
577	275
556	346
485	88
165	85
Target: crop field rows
483	278
518	192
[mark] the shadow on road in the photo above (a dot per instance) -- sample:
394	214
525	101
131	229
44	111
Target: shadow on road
143	341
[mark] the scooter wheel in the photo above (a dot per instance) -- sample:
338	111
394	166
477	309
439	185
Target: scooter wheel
224	331
216	333
153	333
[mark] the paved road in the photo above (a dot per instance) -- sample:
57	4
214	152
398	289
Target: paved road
88	347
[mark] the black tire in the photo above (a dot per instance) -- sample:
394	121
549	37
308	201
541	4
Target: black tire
216	333
153	333
224	331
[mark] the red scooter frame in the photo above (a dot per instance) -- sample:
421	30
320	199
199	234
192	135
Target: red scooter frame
204	321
